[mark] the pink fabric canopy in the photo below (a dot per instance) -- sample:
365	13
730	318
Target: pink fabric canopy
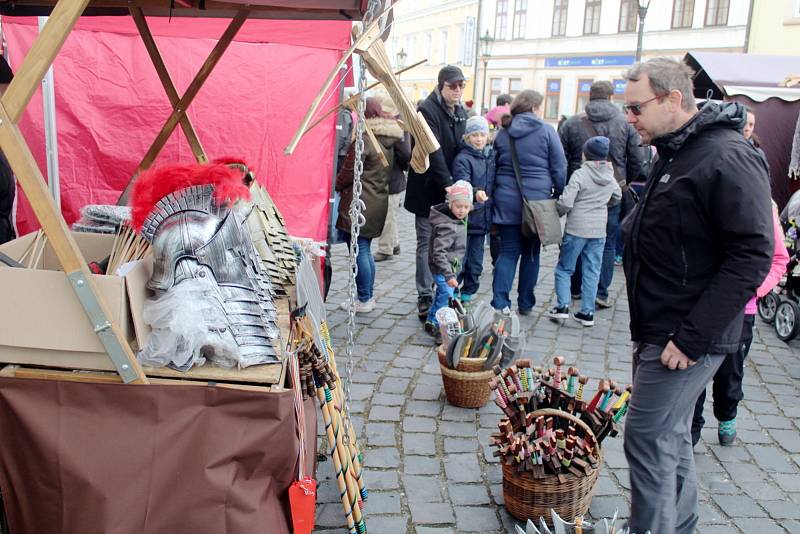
110	106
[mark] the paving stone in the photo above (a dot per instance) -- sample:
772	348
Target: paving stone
788	439
426	408
468	494
384	413
454	413
771	459
451	428
388	399
462	468
330	515
453	445
419	443
766	491
402	372
394	385
386	523
756	525
383	502
787	482
422	465
427	392
385	457
606	506
775	421
476	519
738	506
427	488
428	513
379	480
419	424
781	509
381	434
434	530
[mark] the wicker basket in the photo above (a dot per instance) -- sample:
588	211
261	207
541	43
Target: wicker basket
468	385
530	498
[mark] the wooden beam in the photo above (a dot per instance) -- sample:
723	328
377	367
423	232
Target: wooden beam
187	98
60	239
166	81
40	57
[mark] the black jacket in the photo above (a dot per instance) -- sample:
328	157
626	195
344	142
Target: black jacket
476	167
426	189
624	150
699	242
402	156
7	192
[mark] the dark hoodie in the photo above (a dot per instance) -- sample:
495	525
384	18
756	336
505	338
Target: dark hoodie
607	119
699	242
543	167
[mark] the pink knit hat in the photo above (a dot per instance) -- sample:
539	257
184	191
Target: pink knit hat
461	190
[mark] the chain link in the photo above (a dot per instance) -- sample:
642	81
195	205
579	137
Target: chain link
357	219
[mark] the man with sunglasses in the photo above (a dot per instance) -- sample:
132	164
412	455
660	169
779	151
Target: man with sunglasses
447	119
697	246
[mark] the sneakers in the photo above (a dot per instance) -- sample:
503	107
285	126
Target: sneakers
727	432
361	307
586	319
380	256
466	298
433	330
558	313
525	311
423	306
396	250
603	304
617	260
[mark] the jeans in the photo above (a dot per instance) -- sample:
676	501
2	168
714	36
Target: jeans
515	247
424	279
443	295
658	444
590	250
473	264
607	266
365	268
726	384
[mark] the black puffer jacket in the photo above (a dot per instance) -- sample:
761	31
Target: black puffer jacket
426	189
699	242
624	150
7	192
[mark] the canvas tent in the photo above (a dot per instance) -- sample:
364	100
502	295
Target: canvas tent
757	82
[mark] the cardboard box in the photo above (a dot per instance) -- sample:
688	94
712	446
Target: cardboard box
43	323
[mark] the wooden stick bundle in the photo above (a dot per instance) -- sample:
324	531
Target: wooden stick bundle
128	246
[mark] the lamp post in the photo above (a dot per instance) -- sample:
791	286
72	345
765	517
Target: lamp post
486	52
642	14
401	58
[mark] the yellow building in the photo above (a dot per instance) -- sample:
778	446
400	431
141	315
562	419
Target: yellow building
440	31
775	27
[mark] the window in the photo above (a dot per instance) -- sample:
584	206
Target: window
682	13
514	86
552	99
411	44
628	14
443	49
428	46
584	86
469	41
501	21
560	17
460	45
591	17
496	88
520	14
717	12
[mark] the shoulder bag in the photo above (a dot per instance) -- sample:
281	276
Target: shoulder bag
539	217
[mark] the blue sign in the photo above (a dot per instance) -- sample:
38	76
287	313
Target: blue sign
589	61
619	87
584	87
554	86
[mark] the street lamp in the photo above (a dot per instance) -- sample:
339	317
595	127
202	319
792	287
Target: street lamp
486	52
642	14
401	58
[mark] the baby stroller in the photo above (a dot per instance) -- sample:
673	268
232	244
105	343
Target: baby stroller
781	306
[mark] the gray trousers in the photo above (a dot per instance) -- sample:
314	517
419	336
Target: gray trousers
424	279
658	444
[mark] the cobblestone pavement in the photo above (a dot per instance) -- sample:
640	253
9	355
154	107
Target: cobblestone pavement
427	464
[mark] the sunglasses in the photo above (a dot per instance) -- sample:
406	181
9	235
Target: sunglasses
456	85
636	109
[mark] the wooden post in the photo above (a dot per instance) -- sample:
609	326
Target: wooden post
30	178
186	100
166	81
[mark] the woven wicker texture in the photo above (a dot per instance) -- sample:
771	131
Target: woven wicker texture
468	385
529	498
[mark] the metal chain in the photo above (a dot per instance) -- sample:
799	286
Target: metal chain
357	219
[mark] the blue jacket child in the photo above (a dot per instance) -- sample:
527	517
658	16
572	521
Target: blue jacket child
475	164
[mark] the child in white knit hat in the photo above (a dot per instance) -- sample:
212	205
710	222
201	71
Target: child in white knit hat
448	243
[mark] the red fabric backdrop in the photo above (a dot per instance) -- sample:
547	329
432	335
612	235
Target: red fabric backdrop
110	107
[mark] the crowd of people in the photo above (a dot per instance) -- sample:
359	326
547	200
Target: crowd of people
653	186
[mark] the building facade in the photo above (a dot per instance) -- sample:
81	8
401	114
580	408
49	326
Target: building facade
559	47
439	31
775	27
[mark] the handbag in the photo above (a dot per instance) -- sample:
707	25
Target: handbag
539	217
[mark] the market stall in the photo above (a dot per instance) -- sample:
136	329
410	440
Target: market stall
211	450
